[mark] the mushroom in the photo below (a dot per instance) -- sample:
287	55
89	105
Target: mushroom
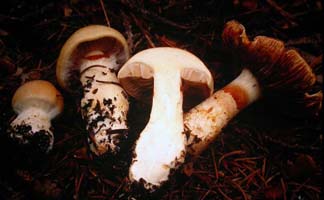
269	69
36	103
173	74
92	56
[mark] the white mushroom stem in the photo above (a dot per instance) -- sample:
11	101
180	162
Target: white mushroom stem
204	122
161	146
30	122
104	104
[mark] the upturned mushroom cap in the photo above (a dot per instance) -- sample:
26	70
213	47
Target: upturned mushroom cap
137	74
276	67
38	93
281	72
89	39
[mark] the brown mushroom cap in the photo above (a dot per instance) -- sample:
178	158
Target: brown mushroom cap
87	39
137	74
282	73
38	93
276	67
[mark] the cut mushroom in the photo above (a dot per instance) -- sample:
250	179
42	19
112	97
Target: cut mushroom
36	103
92	56
173	74
270	68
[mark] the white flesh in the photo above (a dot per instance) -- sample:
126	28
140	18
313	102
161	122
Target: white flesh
161	145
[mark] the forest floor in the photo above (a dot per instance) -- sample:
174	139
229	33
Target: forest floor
266	152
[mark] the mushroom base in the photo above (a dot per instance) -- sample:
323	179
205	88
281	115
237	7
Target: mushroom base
32	129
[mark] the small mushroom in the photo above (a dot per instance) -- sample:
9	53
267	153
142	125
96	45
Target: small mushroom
173	74
92	56
36	103
269	69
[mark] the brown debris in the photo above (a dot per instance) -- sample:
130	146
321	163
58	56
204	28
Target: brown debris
303	167
7	66
273	192
46	189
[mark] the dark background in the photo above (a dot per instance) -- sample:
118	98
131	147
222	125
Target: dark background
266	152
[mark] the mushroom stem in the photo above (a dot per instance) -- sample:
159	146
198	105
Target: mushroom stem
204	122
104	104
161	145
33	126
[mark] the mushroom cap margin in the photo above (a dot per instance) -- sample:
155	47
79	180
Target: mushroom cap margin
86	34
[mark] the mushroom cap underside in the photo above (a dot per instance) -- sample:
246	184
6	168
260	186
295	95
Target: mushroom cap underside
38	93
283	73
275	66
85	40
137	74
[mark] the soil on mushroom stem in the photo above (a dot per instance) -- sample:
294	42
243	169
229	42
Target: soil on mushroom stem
261	154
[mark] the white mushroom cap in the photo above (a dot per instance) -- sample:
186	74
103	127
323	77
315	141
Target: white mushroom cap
87	39
136	75
38	93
